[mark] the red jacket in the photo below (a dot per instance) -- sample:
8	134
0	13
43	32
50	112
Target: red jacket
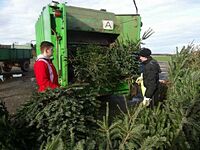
46	75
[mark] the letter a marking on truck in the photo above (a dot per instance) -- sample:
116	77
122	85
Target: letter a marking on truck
108	24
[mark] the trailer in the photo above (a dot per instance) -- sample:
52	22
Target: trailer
69	26
15	55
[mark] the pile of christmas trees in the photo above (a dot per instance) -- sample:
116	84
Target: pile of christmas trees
68	118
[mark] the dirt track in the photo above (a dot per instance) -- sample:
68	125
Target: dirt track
16	90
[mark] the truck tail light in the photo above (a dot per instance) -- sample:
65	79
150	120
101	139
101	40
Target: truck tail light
57	13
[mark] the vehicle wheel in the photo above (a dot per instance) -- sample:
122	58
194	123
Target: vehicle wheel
25	66
7	67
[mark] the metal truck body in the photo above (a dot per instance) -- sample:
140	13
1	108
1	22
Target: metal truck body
66	26
15	55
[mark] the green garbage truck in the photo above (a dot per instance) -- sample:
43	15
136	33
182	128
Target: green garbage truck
68	26
15	55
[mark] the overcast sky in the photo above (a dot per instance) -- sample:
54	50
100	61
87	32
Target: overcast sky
175	22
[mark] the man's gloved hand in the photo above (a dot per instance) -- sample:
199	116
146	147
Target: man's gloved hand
139	80
146	101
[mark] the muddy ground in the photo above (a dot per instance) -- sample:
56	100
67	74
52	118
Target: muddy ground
17	87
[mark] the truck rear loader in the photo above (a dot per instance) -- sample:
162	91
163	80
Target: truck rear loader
67	27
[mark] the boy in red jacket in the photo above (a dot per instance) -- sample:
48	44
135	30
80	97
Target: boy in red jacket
45	71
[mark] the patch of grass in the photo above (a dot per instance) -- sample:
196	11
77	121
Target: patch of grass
163	57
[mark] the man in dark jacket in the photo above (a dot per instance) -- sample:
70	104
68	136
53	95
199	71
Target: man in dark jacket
151	70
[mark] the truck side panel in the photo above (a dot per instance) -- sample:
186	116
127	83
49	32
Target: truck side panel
43	31
15	55
130	26
51	28
4	54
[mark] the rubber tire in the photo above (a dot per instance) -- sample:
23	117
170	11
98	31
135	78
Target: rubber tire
25	66
7	67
